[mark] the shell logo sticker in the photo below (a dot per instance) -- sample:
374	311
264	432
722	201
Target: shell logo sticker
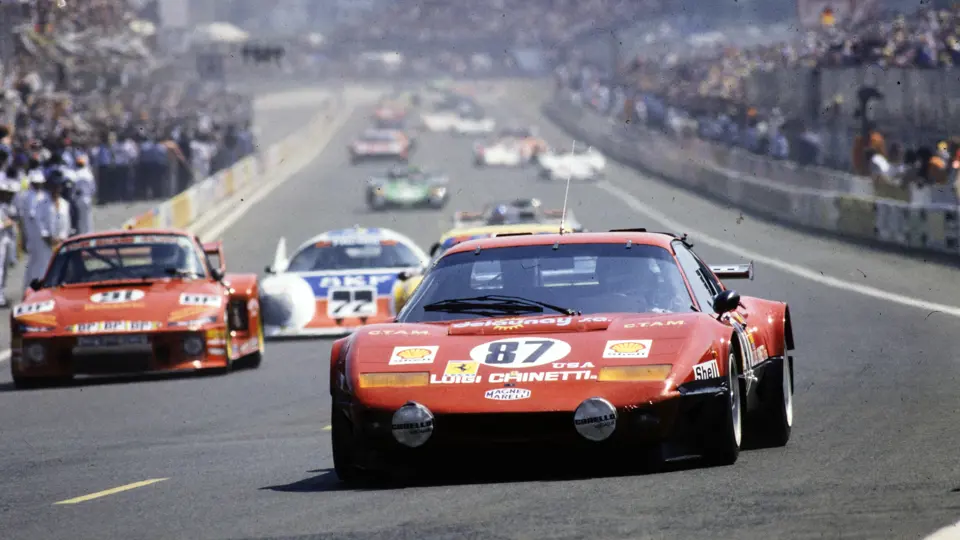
629	348
403	356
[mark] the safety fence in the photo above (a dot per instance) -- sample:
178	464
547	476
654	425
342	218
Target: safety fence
184	209
934	228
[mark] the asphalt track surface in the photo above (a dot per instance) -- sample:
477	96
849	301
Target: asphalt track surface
873	453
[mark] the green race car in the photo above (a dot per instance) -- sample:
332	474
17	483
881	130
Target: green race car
407	187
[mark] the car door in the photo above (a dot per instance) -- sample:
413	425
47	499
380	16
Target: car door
705	287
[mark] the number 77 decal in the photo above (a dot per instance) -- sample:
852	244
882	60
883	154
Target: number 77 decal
351	302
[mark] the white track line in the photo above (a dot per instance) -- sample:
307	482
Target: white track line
790	268
950	532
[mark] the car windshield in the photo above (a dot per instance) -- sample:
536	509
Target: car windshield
349	256
125	257
587	278
390	123
377	137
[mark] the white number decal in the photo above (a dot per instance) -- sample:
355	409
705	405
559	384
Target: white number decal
359	302
520	352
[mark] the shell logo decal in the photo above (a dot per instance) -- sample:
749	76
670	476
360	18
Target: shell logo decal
410	354
413	355
628	348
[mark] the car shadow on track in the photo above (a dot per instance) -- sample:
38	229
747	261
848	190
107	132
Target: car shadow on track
126	379
326	480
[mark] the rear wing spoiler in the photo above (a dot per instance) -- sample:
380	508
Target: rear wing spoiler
733	271
214	253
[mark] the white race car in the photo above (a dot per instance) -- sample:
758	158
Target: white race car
336	282
503	152
463	122
583	163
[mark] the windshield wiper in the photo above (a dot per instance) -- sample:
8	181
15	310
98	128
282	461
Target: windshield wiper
494	304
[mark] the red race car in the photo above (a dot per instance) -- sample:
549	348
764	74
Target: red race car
134	302
622	343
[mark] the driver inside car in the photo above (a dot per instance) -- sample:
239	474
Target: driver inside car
633	285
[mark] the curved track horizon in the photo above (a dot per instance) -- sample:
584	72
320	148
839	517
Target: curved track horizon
873	452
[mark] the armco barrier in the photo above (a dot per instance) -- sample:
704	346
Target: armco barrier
933	228
185	208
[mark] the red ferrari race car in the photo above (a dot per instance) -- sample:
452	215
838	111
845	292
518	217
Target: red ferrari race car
134	302
621	343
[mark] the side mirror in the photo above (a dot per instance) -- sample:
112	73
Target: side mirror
268	269
434	248
405	275
726	301
36	284
217	274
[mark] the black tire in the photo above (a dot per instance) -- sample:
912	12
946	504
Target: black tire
30	383
772	423
723	446
343	442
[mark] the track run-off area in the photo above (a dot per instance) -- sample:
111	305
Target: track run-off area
247	455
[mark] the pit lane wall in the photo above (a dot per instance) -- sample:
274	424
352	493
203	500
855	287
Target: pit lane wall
184	209
787	199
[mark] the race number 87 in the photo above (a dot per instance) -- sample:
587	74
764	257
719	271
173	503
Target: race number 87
506	352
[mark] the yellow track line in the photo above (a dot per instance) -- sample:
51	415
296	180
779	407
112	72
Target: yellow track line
112	491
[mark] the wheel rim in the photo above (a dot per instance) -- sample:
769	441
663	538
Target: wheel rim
735	400
787	388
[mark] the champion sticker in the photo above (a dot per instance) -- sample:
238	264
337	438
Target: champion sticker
628	348
32	309
405	356
507	394
121	296
706	370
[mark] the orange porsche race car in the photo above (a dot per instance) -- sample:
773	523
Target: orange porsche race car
612	345
134	302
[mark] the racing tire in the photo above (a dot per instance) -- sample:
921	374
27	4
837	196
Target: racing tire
343	443
252	361
479	163
773	421
35	383
354	160
723	444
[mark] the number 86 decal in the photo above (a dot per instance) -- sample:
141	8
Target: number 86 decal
520	352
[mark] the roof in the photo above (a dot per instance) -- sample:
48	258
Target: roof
639	238
127	232
366	232
501	229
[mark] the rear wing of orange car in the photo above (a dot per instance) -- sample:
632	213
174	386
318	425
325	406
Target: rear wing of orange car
733	271
214	253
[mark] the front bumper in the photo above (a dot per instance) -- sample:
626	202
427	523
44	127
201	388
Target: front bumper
161	353
684	420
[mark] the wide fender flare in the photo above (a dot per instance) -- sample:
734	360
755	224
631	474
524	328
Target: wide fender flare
337	360
772	321
243	286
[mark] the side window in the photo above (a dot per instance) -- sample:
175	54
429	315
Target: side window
712	282
698	280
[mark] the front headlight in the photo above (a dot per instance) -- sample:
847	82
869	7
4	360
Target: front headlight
394	380
439	191
193	345
653	373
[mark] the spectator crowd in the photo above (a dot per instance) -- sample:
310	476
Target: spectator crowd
705	93
89	115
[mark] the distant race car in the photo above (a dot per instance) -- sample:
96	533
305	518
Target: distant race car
407	187
380	144
134	302
583	163
336	282
408	282
516	212
615	347
510	148
465	120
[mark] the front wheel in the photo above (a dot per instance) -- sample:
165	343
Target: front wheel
343	441
723	447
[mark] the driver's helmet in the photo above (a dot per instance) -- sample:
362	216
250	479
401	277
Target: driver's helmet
499	215
625	275
165	255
